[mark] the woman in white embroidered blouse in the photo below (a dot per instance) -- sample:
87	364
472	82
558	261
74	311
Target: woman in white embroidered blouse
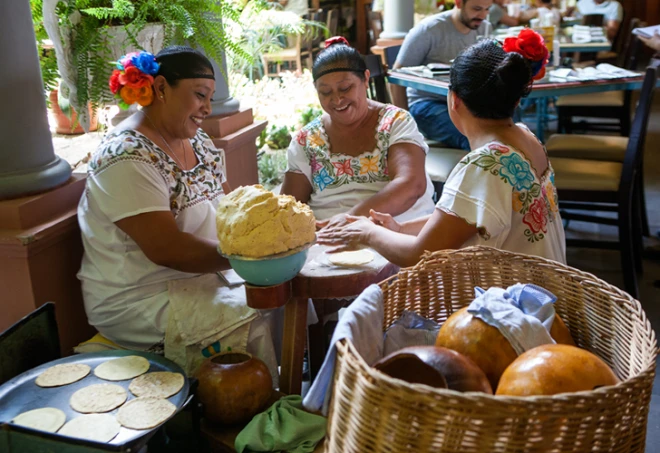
502	193
360	154
148	214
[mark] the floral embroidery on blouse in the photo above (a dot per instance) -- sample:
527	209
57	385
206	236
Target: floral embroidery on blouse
186	188
535	200
332	170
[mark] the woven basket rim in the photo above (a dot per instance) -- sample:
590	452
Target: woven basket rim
585	278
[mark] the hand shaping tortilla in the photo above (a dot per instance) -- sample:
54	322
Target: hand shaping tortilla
353	258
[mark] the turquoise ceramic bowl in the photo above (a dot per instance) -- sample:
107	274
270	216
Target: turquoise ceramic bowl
270	270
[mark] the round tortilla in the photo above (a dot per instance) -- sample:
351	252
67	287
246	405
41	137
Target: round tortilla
159	384
145	412
98	427
63	374
45	419
123	368
98	398
353	258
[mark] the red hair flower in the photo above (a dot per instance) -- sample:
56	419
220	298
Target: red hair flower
336	40
531	46
115	84
135	78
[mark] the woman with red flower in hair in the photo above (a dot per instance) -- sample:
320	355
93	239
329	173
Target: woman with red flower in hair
502	193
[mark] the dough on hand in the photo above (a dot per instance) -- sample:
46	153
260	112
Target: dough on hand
145	412
98	427
353	258
122	368
254	222
159	384
62	374
98	398
44	419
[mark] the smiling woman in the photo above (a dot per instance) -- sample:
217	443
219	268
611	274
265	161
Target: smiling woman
360	154
148	214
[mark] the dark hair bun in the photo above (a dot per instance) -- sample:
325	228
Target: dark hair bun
513	74
490	81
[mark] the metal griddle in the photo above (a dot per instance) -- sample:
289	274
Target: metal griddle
22	394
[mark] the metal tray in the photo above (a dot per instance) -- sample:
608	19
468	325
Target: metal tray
21	394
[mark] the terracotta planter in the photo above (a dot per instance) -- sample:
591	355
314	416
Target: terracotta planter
233	387
64	125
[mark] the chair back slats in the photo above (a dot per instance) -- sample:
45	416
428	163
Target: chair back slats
635	151
391	53
593	20
377	86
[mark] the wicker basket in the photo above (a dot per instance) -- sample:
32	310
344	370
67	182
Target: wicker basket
371	412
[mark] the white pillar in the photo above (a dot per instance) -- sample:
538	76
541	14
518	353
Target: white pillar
28	163
398	18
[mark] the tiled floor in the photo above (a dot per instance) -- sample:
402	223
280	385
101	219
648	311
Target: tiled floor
606	264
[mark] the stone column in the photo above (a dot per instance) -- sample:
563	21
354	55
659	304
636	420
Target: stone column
398	18
223	103
27	160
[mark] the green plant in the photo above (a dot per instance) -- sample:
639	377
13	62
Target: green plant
278	137
309	114
272	166
47	60
85	43
263	28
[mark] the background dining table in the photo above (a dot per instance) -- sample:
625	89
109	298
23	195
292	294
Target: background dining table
549	86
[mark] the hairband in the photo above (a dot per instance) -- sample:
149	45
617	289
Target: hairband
336	40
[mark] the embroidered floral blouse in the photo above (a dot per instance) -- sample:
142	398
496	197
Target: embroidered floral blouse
125	293
340	181
496	188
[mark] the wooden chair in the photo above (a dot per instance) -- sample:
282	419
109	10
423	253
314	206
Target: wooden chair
290	54
611	104
30	342
391	52
377	86
606	186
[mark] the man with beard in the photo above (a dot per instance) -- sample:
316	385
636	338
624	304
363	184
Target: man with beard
439	39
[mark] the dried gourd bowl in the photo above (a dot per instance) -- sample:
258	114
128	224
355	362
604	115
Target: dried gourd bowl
370	411
270	270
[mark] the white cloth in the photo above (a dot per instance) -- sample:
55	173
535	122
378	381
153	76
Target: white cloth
553	13
340	181
496	188
523	313
410	329
611	9
125	293
362	323
299	7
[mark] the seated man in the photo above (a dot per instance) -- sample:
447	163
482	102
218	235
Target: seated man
498	15
439	39
610	9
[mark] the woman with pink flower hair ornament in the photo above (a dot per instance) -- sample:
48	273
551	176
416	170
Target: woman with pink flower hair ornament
502	193
148	213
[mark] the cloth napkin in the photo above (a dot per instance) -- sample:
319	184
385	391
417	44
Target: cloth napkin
362	323
285	426
523	313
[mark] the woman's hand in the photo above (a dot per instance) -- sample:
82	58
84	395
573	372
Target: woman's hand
336	221
385	220
347	237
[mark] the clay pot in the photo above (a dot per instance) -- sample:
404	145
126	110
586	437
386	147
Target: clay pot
233	387
555	368
64	125
485	345
437	367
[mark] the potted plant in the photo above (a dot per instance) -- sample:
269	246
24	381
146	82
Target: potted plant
88	35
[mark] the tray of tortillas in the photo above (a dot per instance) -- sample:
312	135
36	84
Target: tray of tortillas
110	397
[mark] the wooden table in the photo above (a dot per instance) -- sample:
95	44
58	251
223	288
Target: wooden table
318	280
541	90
